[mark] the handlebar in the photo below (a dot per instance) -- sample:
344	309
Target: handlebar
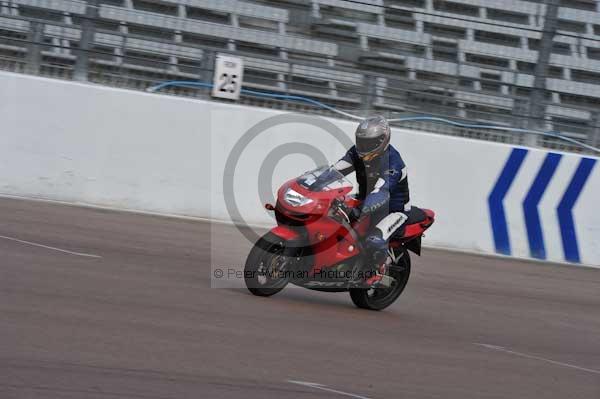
339	207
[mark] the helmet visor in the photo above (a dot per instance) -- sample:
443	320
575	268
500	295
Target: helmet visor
366	145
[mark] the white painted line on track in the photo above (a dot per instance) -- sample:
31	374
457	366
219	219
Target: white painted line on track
324	388
501	349
50	248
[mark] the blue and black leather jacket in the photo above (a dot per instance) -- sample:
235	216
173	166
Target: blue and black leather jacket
382	182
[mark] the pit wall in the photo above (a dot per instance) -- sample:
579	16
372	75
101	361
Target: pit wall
102	146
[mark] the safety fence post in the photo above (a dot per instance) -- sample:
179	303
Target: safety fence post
86	42
34	50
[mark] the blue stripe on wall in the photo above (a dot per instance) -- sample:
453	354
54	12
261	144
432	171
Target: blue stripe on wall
496	197
565	209
530	205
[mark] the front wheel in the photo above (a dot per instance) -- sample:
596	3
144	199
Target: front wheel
381	298
264	272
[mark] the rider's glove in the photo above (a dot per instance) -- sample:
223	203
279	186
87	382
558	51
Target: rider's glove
354	215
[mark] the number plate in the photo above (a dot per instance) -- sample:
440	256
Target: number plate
228	77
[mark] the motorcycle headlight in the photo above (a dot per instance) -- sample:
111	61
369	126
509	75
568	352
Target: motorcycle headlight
295	199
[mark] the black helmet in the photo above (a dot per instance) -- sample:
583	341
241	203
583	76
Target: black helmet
372	137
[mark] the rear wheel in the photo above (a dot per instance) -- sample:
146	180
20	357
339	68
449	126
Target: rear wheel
381	298
264	272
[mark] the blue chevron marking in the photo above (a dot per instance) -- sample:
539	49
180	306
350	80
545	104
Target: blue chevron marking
496	198
535	236
565	209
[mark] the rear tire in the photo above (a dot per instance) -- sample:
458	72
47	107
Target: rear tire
262	264
381	298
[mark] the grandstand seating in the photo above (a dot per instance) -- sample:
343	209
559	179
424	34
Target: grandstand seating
463	58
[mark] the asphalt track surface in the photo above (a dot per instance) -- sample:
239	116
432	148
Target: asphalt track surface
142	321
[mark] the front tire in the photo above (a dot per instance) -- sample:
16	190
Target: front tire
265	265
381	298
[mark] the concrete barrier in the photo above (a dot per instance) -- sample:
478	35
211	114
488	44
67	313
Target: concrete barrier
130	150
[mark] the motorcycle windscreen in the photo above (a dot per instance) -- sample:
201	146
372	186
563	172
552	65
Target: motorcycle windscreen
324	178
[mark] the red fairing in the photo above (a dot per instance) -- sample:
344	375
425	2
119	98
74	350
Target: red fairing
331	244
413	230
285	233
417	229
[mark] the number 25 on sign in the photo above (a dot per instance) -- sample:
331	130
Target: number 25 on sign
228	76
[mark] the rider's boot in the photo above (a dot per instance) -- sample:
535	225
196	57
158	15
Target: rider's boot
374	271
378	277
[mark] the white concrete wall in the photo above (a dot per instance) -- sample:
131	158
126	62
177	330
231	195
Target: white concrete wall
131	150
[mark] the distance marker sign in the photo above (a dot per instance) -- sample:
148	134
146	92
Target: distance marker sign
227	81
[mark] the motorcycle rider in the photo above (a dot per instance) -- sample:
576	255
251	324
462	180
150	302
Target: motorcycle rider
383	188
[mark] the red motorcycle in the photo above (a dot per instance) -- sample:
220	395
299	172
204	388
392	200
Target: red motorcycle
316	246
